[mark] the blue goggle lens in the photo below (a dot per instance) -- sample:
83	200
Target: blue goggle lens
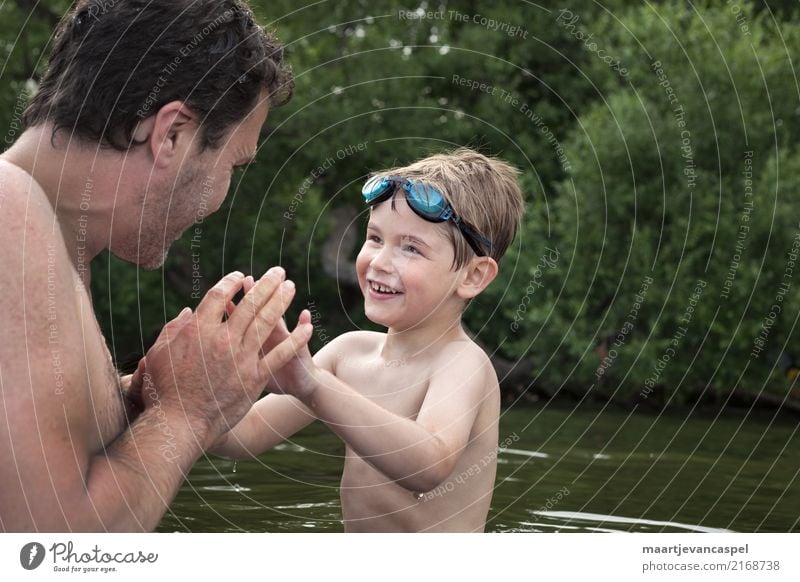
374	187
424	199
428	200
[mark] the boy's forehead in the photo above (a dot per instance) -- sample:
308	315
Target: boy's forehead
404	221
395	212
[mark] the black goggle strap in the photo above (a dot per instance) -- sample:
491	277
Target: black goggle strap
472	237
447	213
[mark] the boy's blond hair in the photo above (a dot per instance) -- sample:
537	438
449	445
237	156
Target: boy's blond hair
482	190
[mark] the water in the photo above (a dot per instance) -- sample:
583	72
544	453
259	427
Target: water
567	470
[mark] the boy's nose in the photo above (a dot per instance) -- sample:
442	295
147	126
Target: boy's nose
382	260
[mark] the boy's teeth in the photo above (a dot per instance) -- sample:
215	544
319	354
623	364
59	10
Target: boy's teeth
382	289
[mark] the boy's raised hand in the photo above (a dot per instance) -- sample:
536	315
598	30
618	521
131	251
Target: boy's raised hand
296	378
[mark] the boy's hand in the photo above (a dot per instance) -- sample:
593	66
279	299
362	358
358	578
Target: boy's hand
298	377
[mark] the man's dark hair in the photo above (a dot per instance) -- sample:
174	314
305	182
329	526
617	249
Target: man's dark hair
116	62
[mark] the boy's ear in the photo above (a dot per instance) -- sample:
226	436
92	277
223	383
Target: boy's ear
480	271
168	133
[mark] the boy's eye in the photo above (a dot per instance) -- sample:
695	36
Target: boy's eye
412	249
374	238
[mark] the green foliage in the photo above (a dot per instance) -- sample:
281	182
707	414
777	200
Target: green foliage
658	189
24	38
604	175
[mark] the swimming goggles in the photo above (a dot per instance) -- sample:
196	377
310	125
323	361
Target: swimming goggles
427	202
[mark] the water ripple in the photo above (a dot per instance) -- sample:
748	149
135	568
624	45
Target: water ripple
599	518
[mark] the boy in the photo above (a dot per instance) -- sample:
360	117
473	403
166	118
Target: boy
417	406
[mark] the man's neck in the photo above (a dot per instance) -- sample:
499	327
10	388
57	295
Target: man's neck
75	187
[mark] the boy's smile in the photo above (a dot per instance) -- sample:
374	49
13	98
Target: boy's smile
380	291
405	267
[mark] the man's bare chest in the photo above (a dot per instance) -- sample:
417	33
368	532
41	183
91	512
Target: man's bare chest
99	378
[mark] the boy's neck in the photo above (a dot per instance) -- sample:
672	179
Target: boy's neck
416	341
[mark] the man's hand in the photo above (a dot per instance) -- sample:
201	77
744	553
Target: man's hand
211	371
132	386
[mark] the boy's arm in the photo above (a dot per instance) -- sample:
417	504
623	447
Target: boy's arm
271	420
417	454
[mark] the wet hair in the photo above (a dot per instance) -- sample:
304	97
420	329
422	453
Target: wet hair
482	190
116	62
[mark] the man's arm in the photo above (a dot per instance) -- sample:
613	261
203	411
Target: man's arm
203	374
126	486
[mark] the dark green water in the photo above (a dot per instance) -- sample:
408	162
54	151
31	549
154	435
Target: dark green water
602	470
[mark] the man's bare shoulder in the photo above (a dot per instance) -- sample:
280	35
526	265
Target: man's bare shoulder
18	189
38	274
26	215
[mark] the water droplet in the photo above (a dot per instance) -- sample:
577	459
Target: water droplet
234	466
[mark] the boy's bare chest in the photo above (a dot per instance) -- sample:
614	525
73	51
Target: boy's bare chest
399	386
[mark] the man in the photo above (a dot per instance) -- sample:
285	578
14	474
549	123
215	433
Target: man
144	112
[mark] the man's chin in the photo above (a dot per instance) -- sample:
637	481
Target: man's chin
155	259
149	260
154	264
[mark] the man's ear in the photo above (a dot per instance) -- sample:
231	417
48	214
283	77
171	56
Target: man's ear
168	133
479	272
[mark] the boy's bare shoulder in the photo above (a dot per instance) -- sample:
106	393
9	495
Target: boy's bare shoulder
347	347
464	350
358	341
466	358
